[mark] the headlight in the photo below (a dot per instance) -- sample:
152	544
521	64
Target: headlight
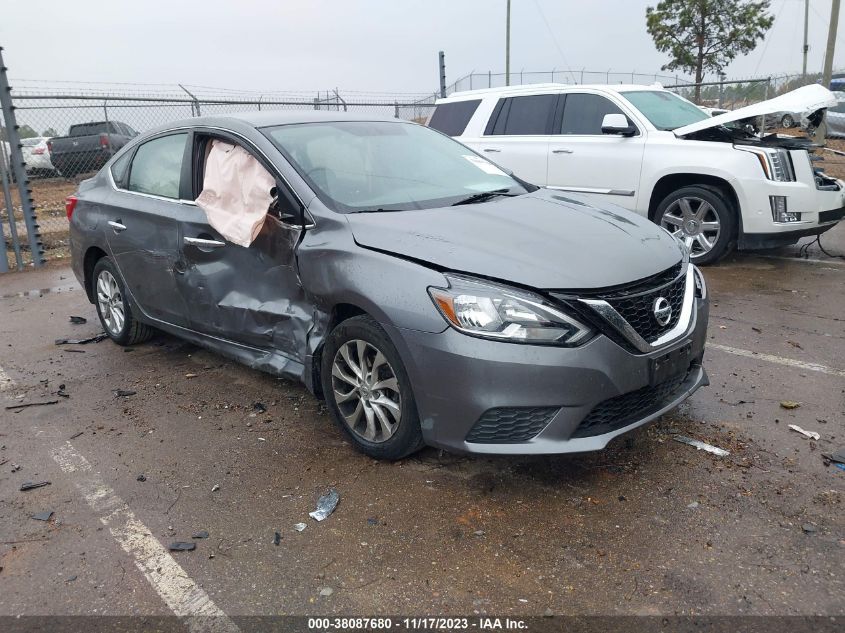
495	311
776	163
700	286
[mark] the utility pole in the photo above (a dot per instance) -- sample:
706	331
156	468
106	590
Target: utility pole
821	132
508	46
442	61
806	46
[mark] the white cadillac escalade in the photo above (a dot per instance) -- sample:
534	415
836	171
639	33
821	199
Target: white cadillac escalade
713	181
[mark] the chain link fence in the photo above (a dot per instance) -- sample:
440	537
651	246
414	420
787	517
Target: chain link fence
67	137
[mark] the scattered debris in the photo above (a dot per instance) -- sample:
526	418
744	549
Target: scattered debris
43	516
277	538
326	592
693	505
372	521
75	351
479	532
702	446
82	341
259	407
299	527
123	393
16	467
28	485
200	534
325	505
756	329
215	488
809	528
840	466
789	404
3	462
77	434
31	404
794	344
191	375
142	477
182	546
71	578
78	320
548	613
61	392
811	434
838	456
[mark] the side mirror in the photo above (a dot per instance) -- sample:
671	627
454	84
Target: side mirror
285	208
617	124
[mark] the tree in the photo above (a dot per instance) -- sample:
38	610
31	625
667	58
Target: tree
26	132
49	132
706	35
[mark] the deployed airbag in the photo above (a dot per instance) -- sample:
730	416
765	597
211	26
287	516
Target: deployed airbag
236	192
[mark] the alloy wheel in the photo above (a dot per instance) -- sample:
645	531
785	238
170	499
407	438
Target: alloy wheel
695	221
110	301
366	391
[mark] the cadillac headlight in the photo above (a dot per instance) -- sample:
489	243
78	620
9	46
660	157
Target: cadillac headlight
495	311
776	162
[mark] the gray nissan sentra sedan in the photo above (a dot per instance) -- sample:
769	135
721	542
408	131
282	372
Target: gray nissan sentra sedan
429	296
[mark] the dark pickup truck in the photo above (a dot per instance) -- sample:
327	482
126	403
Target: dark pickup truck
88	146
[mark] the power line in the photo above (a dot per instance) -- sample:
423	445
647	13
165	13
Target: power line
554	39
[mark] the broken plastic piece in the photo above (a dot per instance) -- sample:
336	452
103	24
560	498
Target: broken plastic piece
811	434
182	546
215	488
142	477
277	538
299	527
43	516
123	393
78	320
789	404
200	534
325	505
259	407
838	456
30	404
28	485
702	446
82	341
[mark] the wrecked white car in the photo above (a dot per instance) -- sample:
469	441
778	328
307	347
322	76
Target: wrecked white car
709	180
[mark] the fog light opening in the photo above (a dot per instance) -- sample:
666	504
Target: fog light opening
779	212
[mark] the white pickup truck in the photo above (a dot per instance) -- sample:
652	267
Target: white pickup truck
710	180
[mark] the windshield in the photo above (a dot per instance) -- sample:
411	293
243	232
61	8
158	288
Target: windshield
356	166
665	110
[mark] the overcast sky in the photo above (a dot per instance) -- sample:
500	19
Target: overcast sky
356	45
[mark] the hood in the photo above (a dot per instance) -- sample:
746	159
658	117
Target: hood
543	240
805	99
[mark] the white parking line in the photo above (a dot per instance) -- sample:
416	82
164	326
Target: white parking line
178	590
6	383
780	360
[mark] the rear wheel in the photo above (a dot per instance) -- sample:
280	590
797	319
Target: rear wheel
702	218
787	121
113	306
368	391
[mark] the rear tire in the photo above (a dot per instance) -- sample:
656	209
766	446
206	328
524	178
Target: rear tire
703	217
368	390
113	306
787	121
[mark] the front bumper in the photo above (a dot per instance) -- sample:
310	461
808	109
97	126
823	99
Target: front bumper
820	210
457	378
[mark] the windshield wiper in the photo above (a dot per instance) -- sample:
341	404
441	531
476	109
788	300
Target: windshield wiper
377	210
483	196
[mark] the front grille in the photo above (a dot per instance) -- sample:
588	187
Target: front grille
638	311
626	409
509	425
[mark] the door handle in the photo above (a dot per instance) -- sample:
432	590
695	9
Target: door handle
117	226
492	150
563	151
203	243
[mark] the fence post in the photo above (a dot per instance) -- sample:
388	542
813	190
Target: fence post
10	209
765	98
442	60
17	168
317	102
194	104
489	78
260	97
108	131
396	109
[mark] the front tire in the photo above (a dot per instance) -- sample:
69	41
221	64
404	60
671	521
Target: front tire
113	306
787	121
703	218
368	390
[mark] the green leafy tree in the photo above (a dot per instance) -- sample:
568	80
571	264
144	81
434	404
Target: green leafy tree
706	35
49	132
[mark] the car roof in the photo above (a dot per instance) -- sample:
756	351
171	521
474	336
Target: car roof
268	118
546	87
